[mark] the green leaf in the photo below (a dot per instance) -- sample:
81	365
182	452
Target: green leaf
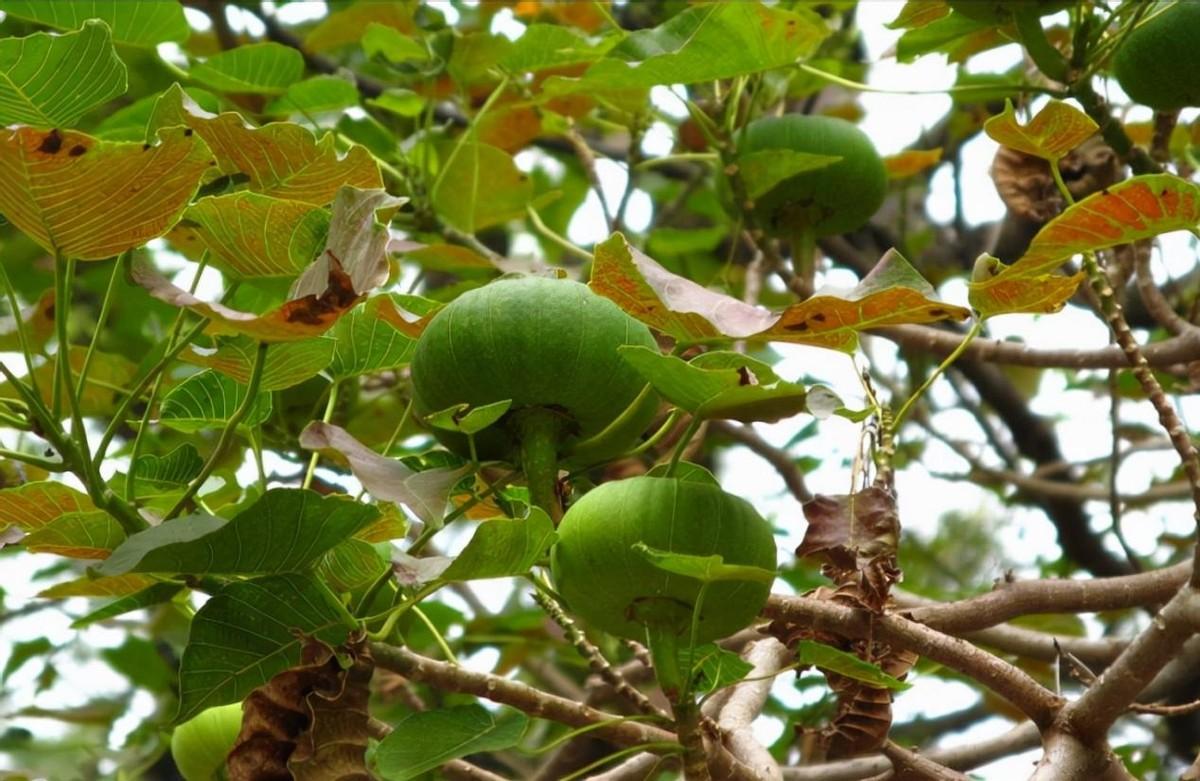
465	420
284	531
392	44
248	632
253	236
147	597
1056	130
364	343
847	664
261	68
943	35
317	95
208	400
351	564
715	668
552	46
79	535
139	661
706	569
502	548
174	470
53	80
719	384
703	43
22	652
478	186
685	472
136	24
762	170
286	363
427	740
401	102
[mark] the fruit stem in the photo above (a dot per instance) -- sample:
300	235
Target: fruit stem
687	728
540	431
804	247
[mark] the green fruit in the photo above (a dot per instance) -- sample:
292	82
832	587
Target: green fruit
199	746
1002	10
1158	65
825	201
608	583
547	345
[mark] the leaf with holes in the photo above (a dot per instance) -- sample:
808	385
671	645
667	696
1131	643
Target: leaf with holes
892	294
248	235
261	68
92	199
286	530
53	80
286	364
282	159
80	535
719	384
136	24
207	400
671	303
365	343
424	493
1055	130
248	631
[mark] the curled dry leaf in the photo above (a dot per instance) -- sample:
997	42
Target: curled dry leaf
1027	187
357	241
308	722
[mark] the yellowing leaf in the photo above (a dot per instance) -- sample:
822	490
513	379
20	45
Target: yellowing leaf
346	26
78	535
1051	134
281	159
918	13
892	294
118	586
109	375
33	505
912	162
92	199
1138	208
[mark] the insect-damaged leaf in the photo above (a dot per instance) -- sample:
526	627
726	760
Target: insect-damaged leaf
53	80
892	294
424	493
1055	130
1136	209
92	199
281	159
719	384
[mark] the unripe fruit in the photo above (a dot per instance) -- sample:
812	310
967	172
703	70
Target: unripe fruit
544	343
834	199
199	746
607	583
1158	65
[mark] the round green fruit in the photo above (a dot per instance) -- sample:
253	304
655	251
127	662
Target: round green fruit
609	584
199	746
834	199
549	345
1158	65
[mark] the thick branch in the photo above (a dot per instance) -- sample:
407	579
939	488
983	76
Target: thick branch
1001	677
741	707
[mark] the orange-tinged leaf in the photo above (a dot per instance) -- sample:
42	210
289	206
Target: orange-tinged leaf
892	294
346	25
918	13
912	162
301	318
78	535
116	586
108	375
407	314
33	505
1055	130
390	525
92	199
672	304
281	159
1139	208
997	290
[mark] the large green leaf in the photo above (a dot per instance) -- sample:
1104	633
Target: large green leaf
552	46
504	548
284	531
365	343
719	385
264	68
286	364
92	199
315	96
208	400
702	43
425	741
249	235
133	23
53	80
248	632
478	186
